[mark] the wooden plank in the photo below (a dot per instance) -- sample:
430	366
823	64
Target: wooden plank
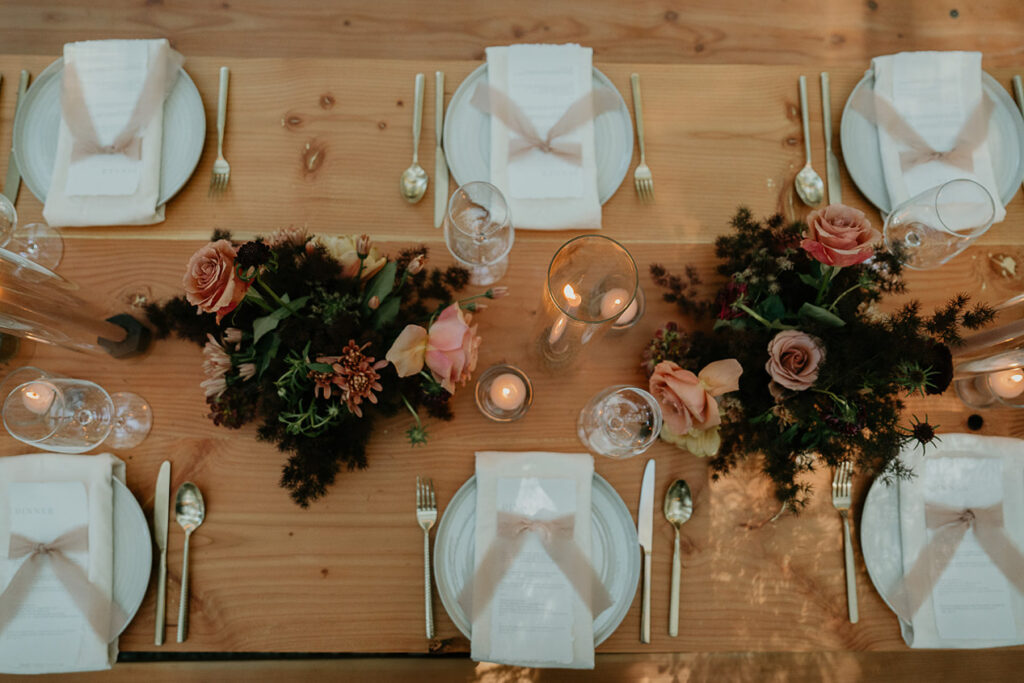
663	31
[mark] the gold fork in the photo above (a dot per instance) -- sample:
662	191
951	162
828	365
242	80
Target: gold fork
842	485
221	169
642	175
426	515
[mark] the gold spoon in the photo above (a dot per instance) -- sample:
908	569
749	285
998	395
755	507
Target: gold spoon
413	184
678	509
809	185
190	511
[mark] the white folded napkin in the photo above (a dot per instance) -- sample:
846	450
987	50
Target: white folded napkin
935	93
545	192
972	605
112	189
535	617
42	496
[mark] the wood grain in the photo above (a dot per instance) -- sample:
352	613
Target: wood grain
344	576
649	31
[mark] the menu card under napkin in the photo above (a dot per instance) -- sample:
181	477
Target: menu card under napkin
940	96
972	603
107	168
545	191
534	616
42	498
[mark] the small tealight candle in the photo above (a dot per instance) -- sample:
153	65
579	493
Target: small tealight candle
614	301
572	297
1007	383
508	392
37	397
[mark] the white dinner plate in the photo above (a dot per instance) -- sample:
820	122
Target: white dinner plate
38	122
133	554
467	137
614	553
859	140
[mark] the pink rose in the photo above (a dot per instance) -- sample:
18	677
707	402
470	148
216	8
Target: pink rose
449	349
794	358
687	400
839	236
211	282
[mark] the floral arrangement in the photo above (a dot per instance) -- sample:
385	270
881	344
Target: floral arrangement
317	335
800	365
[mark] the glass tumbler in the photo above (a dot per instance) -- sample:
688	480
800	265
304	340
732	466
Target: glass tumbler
928	230
478	231
74	416
37	242
619	422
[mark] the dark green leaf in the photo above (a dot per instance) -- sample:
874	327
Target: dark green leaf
809	280
820	315
772	308
383	283
260	326
386	313
320	367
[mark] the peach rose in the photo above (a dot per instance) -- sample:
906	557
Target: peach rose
794	358
687	400
211	282
408	351
839	236
700	442
452	347
345	250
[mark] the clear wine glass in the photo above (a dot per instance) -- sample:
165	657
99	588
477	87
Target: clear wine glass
37	242
928	230
478	231
620	422
74	416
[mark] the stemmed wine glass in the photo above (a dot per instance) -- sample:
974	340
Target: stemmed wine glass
620	422
478	231
74	416
37	242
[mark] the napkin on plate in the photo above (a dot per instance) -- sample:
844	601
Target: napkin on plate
936	93
107	168
42	497
544	191
972	605
534	617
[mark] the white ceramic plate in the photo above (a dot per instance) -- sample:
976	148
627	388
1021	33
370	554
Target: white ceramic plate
133	554
467	137
615	554
859	140
38	122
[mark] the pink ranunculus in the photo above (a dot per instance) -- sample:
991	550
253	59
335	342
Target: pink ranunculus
838	235
794	358
211	282
408	350
687	400
452	346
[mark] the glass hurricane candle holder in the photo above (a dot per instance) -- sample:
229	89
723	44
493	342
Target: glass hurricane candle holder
993	381
504	393
592	281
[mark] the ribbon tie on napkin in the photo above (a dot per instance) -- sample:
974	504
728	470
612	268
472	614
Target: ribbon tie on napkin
102	613
879	111
556	535
128	142
496	103
950	525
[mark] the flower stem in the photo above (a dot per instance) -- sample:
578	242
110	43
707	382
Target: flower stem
838	298
276	299
415	415
254	296
827	273
753	314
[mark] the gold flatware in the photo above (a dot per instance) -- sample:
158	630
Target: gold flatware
809	185
440	164
413	183
190	511
842	485
13	181
835	183
642	178
426	515
678	509
161	511
221	168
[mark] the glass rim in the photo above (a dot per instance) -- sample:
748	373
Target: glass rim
568	314
976	232
58	395
479	183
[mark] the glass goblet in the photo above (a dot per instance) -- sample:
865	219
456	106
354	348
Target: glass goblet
37	242
620	422
928	230
478	231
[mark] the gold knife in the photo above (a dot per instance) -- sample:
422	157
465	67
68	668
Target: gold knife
161	514
835	183
440	165
13	180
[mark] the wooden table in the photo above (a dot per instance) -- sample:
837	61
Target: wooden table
320	143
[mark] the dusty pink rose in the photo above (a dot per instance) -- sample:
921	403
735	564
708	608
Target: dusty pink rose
839	236
452	347
794	358
687	400
211	282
